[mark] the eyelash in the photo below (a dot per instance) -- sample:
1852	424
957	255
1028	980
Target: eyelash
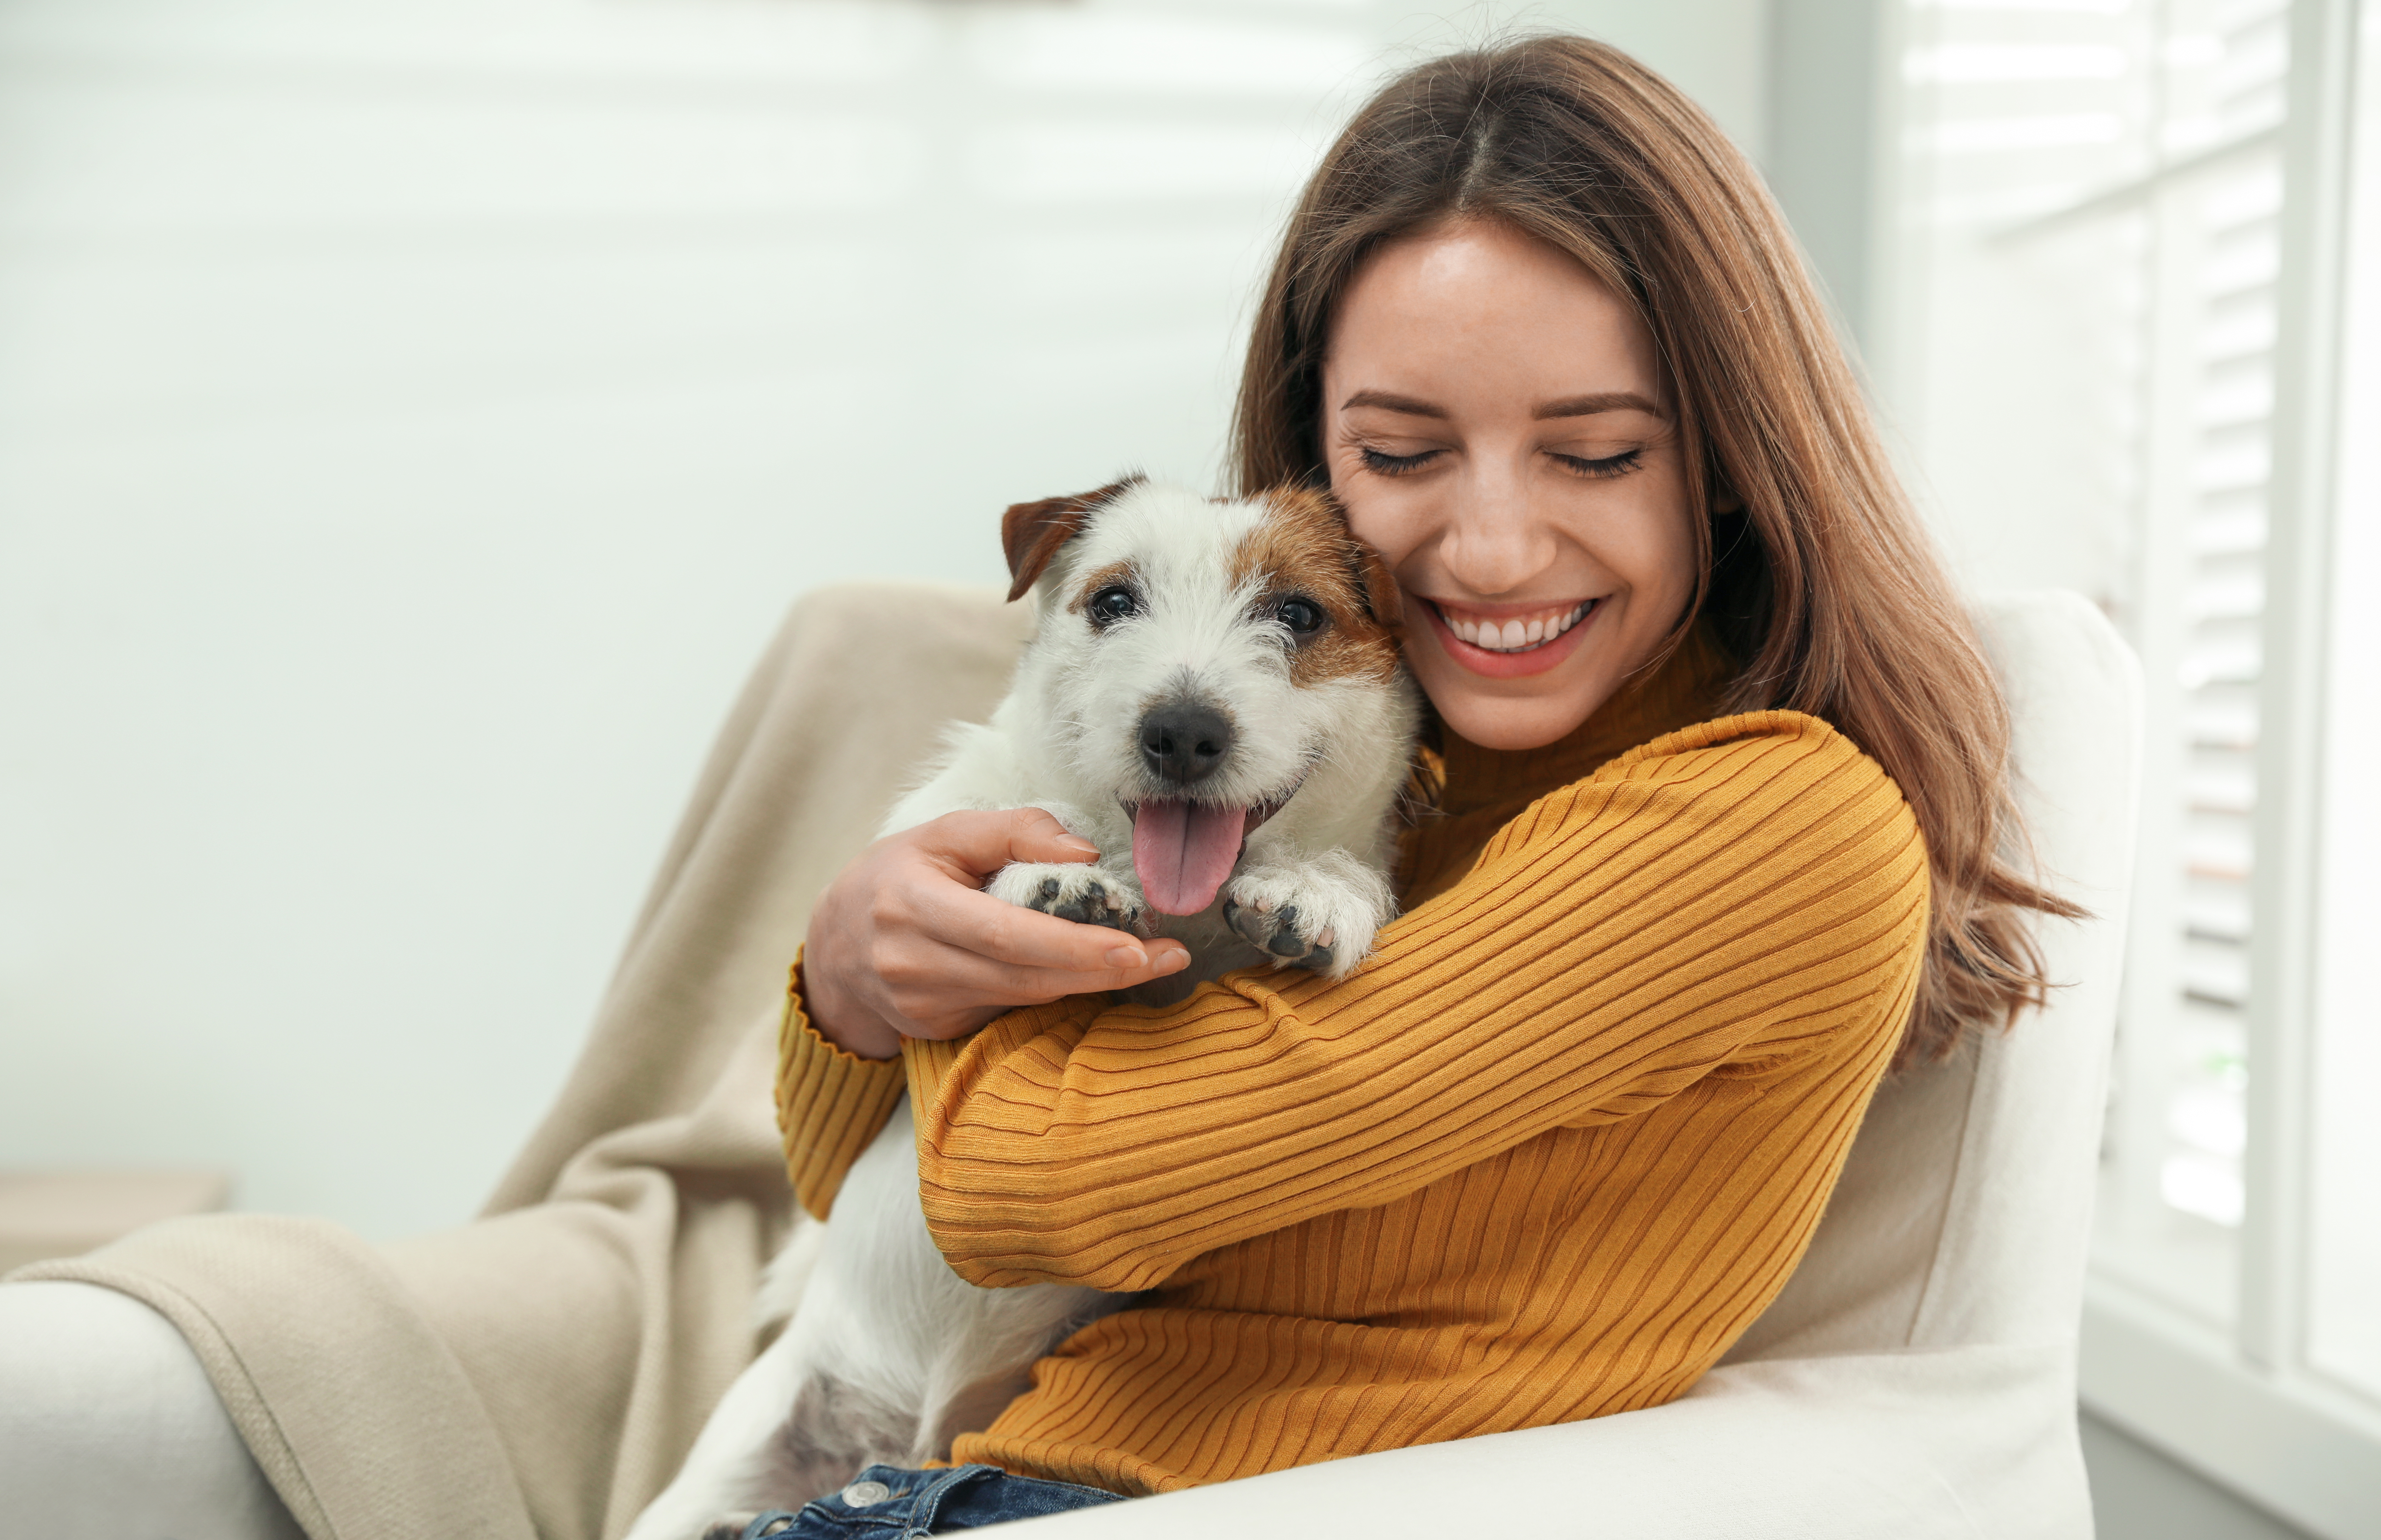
1382	463
1610	465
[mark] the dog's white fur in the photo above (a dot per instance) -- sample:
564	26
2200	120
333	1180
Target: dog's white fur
888	1354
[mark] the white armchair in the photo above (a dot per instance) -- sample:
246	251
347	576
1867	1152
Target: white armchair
1917	1377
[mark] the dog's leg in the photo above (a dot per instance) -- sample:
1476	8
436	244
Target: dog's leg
1319	912
726	1470
793	1426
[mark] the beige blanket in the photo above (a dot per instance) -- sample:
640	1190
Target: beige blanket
542	1370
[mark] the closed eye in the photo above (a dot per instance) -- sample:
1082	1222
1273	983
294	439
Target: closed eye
1380	462
1610	465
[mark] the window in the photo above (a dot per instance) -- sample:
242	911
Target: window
2343	1319
2113	342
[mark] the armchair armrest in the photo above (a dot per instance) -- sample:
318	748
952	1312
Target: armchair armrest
1964	1442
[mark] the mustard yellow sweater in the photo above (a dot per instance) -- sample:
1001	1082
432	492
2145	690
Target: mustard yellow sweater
1543	1157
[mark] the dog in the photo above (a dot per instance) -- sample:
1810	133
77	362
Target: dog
1214	697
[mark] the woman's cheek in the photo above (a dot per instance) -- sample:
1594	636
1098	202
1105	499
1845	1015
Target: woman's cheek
1655	551
1374	518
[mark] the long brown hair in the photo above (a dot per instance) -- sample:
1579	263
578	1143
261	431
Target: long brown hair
1821	584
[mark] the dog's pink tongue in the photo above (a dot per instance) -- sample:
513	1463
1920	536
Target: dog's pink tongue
1182	852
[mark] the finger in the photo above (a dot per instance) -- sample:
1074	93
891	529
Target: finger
978	923
975	845
995	987
1035	835
1164	958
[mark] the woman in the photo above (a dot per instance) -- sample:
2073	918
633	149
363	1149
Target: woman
1697	870
1721	794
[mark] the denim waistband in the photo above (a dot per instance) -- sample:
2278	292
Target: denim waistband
887	1502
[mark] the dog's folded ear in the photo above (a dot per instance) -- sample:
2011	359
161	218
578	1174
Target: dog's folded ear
1031	533
1384	601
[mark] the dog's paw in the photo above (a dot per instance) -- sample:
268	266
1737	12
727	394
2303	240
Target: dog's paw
1321	919
730	1527
1087	895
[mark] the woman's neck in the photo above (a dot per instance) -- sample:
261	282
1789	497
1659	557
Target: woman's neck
1684	689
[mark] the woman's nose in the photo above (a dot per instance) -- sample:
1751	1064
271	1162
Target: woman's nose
1496	540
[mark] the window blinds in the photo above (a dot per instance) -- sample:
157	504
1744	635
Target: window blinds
2094	189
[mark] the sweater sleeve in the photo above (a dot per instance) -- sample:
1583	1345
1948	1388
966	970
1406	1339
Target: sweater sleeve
1737	894
830	1103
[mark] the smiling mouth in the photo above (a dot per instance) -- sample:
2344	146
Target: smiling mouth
1524	632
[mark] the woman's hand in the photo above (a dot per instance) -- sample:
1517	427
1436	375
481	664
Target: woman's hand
906	943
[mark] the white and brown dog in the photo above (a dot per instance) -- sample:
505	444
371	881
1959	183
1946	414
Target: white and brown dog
1213	698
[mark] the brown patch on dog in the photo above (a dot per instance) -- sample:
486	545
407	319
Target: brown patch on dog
1030	533
1303	547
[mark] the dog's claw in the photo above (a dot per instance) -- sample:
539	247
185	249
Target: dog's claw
1275	932
1097	902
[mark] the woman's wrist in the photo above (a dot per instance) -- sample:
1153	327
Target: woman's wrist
841	1019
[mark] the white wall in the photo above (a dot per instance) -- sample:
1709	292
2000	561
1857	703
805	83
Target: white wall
413	417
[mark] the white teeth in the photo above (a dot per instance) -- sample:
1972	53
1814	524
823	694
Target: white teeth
1513	636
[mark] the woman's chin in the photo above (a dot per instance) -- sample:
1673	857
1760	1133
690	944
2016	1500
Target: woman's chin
1512	715
1512	726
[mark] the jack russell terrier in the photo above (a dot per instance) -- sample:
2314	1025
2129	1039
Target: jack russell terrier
1213	698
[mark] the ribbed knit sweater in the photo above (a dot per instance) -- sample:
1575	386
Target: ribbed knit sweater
1545	1156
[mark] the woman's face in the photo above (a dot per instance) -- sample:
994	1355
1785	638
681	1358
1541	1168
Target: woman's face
1497	425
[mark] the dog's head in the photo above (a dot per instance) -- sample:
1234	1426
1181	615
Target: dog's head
1199	659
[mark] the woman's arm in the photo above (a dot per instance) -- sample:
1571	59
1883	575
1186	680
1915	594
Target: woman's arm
905	943
1746	891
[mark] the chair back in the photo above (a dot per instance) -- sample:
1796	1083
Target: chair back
1965	1207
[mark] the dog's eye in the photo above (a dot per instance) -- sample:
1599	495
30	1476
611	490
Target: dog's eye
1112	604
1303	616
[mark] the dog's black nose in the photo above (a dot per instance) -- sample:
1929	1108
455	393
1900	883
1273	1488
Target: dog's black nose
1182	742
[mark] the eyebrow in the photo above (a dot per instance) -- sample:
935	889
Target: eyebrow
1602	401
1570	406
1389	402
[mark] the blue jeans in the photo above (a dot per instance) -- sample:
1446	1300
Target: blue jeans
885	1502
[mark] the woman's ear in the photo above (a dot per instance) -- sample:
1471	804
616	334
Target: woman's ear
1031	533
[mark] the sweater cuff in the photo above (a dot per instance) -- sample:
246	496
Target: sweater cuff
830	1103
